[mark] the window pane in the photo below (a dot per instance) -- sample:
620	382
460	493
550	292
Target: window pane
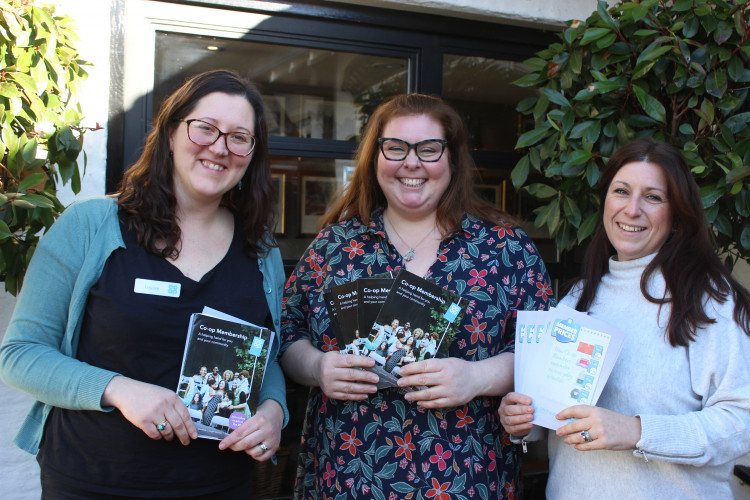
309	93
480	89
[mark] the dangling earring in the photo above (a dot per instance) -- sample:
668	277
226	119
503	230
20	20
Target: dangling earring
239	185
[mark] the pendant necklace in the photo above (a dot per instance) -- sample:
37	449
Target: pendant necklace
412	252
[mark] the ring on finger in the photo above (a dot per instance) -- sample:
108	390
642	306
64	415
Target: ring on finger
586	436
263	447
162	425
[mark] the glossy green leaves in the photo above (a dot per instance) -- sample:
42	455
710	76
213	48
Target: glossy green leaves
40	134
677	72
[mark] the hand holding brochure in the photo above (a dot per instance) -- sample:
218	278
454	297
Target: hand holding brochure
563	358
394	320
238	351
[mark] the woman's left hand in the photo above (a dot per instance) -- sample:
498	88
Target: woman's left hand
449	382
608	430
260	435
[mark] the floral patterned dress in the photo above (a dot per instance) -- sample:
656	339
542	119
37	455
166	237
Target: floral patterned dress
384	447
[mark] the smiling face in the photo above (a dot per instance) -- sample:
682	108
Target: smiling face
637	217
204	173
413	187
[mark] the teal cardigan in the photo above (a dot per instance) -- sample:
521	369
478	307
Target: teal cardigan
38	352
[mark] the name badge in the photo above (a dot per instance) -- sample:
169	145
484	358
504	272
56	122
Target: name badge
152	287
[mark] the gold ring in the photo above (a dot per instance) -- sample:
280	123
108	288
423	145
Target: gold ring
162	425
263	447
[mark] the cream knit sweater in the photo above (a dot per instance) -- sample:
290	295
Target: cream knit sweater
694	402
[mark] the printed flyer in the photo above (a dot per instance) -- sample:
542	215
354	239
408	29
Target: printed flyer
563	358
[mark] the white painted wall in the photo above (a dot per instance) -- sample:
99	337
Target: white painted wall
92	21
538	13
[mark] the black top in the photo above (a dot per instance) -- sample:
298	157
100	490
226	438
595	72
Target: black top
142	336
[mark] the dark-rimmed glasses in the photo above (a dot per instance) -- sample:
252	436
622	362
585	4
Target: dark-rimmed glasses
428	150
204	134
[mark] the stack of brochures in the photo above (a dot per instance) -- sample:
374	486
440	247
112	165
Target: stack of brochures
222	371
563	358
395	320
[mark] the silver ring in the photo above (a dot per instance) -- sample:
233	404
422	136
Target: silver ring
263	447
586	436
162	425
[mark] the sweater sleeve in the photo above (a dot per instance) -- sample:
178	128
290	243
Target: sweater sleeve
36	353
720	431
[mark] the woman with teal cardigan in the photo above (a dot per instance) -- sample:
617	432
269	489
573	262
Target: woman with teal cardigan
98	333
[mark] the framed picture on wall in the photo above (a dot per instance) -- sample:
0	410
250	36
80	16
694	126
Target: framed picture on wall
315	194
279	180
491	193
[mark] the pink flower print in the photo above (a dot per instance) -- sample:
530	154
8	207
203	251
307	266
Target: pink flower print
329	474
477	277
440	457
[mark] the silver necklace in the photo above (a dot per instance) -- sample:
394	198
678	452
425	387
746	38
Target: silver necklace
411	253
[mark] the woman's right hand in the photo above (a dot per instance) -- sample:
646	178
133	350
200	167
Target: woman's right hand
146	406
340	376
516	414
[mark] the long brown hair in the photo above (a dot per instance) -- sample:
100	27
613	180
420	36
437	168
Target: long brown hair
692	271
146	196
363	193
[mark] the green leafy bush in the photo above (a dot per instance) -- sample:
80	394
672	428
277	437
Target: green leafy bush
677	71
40	136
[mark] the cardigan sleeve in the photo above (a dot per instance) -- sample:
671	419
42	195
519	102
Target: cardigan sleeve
274	384
720	431
36	353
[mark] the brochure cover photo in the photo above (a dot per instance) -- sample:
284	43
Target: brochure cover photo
353	307
417	321
222	372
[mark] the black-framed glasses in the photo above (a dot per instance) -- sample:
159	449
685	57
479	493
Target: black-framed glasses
204	134
428	150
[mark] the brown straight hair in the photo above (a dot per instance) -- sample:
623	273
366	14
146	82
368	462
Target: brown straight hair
146	196
687	260
363	193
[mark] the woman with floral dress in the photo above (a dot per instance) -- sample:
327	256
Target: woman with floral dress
411	205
